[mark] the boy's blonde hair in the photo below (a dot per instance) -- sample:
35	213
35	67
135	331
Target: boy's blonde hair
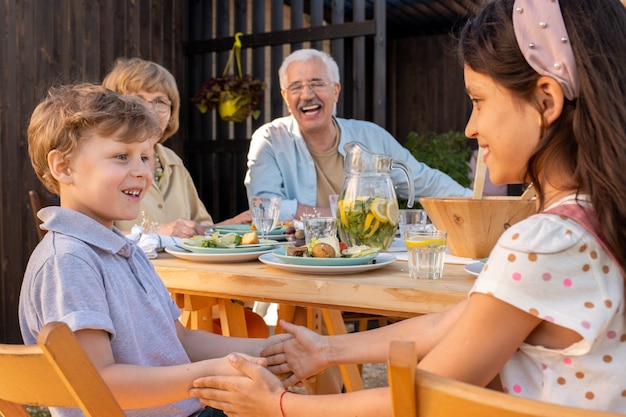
131	75
70	113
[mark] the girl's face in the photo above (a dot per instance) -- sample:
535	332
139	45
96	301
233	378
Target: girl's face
106	179
508	129
160	104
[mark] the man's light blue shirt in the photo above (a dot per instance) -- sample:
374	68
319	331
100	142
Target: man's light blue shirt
279	163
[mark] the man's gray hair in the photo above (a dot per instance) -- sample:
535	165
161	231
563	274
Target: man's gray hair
304	55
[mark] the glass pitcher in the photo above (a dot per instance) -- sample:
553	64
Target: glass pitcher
368	206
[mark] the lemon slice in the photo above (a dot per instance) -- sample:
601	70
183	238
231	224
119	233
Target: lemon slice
368	221
379	208
342	211
427	242
393	211
373	229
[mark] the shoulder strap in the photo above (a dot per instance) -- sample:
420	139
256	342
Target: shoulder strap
586	217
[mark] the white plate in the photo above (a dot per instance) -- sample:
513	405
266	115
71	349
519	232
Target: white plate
474	268
240	229
381	260
311	261
215	257
237	249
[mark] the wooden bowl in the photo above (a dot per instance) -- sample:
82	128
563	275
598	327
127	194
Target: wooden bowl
474	226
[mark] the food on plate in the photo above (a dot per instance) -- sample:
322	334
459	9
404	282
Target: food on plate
297	250
323	250
249	238
296	236
216	240
332	241
329	247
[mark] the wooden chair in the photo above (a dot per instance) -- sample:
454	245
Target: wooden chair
416	393
37	202
54	373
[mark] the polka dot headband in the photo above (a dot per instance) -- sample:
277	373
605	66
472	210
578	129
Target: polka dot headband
543	40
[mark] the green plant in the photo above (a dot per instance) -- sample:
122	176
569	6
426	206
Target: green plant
448	152
236	97
38	411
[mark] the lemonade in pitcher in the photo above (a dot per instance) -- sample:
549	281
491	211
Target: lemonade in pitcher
367	209
370	221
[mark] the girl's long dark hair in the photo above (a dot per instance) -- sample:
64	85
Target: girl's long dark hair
588	141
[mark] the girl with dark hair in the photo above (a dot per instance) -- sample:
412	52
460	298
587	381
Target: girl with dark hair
545	318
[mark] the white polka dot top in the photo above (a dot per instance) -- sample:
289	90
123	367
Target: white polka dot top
553	268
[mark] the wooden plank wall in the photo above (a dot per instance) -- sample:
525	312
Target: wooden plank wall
61	41
215	150
426	87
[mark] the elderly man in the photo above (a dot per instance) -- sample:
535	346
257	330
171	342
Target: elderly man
300	157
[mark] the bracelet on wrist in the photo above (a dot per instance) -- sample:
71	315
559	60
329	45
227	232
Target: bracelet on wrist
280	402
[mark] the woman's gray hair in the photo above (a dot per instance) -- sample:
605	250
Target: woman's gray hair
304	55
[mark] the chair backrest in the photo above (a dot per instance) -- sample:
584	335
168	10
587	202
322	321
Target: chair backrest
37	202
417	393
54	373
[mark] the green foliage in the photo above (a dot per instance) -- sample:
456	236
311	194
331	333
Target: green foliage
38	411
447	152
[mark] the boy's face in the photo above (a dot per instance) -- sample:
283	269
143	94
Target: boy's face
106	179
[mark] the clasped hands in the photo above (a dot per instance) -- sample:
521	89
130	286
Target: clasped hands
291	358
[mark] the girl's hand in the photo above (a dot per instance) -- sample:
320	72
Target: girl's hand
297	358
252	392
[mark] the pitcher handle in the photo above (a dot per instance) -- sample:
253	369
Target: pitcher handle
409	176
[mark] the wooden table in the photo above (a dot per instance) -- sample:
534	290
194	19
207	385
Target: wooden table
386	291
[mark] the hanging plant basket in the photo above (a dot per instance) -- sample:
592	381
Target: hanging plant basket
234	95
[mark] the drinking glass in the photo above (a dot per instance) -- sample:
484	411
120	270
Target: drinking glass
265	211
427	250
413	219
333	199
319	227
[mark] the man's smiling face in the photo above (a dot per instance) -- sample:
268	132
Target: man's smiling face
313	104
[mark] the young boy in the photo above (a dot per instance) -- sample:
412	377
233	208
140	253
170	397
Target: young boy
91	146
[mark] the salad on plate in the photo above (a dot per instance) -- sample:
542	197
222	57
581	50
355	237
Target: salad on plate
330	247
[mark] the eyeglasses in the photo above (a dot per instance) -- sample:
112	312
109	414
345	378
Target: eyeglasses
160	106
315	86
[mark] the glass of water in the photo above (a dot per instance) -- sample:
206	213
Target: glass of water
427	250
319	227
265	211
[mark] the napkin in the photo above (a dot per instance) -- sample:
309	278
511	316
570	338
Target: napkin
151	243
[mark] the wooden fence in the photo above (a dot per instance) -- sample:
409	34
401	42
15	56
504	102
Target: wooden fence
404	84
271	30
52	42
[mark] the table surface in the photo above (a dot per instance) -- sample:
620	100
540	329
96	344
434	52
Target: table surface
387	290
